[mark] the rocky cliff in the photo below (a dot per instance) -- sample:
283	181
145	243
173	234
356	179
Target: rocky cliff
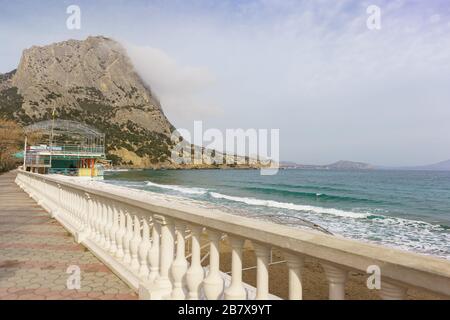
91	81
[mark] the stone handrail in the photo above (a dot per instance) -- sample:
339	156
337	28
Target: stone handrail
141	237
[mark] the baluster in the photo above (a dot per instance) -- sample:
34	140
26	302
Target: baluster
262	253
83	213
120	234
179	265
144	248
114	229
294	264
73	211
78	212
70	206
166	255
236	290
153	253
126	239
134	244
103	222
89	226
59	201
98	214
336	281
390	291
108	226
195	273
213	283
94	213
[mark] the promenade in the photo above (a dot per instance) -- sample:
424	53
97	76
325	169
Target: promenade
36	251
152	243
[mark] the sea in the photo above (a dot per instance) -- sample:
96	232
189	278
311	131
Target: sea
409	210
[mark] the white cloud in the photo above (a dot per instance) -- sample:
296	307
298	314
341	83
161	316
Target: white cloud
178	87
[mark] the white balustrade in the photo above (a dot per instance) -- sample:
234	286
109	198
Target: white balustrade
127	238
143	239
336	281
162	282
120	234
294	263
143	251
262	253
236	290
180	264
153	253
134	244
195	273
214	282
114	229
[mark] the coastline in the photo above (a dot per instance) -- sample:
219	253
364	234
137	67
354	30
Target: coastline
409	269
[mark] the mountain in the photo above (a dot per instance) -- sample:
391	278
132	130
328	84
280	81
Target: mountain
92	81
349	165
339	165
440	166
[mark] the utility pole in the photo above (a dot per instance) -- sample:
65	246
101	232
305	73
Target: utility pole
51	138
25	154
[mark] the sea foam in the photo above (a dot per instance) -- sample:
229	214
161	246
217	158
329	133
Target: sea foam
177	188
291	206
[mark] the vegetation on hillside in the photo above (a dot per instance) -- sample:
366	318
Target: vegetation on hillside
129	135
11	141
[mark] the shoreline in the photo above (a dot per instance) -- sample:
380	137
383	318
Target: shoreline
300	224
411	269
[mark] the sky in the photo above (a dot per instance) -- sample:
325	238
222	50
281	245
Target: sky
336	89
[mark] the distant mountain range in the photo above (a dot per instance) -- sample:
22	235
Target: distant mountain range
352	165
440	166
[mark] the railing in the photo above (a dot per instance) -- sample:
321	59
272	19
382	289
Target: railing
68	148
98	171
141	237
64	171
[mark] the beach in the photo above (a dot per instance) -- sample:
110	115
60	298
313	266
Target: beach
314	283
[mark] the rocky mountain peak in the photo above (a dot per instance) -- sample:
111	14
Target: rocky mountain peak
92	81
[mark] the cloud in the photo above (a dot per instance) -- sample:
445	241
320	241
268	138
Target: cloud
180	88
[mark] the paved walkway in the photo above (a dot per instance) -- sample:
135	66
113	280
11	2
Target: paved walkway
35	252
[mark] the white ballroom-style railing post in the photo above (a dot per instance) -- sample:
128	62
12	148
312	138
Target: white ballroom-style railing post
213	283
179	265
103	222
134	244
114	229
89	209
120	234
144	248
294	264
390	291
336	277
195	273
262	253
236	290
108	225
163	284
127	238
153	253
97	216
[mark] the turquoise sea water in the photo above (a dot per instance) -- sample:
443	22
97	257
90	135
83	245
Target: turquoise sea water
403	209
